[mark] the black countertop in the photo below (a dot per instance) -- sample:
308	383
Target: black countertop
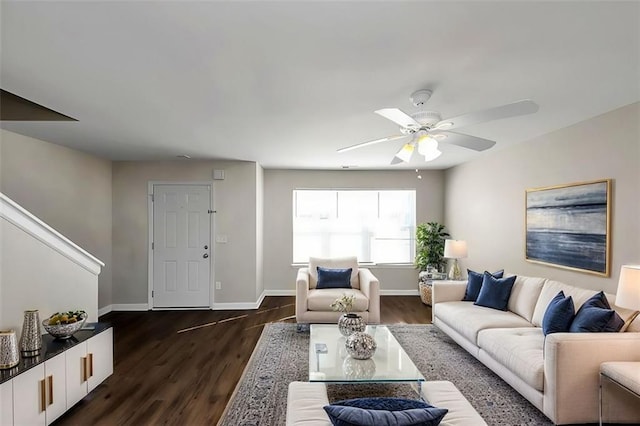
52	347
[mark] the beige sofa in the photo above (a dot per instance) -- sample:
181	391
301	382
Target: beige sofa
559	374
305	401
313	305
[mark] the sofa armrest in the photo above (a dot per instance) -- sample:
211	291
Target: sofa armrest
447	291
571	371
370	286
302	292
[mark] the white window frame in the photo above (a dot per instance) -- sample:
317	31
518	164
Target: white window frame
367	245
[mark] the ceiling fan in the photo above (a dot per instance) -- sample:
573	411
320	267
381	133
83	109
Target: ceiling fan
427	128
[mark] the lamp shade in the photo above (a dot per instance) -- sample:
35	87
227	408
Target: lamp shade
455	249
628	294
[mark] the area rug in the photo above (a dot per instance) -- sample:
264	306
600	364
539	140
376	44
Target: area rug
281	357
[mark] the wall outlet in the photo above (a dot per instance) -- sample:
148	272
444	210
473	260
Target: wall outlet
218	285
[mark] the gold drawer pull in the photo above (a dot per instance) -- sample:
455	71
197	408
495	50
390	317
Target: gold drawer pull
43	397
84	369
50	379
90	365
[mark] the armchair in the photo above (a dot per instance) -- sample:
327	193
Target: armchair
313	305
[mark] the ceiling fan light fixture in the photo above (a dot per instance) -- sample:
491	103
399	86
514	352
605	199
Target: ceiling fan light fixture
427	145
405	152
432	155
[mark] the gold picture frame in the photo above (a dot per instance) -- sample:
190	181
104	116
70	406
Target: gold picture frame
569	226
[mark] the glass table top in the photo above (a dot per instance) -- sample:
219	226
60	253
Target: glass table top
390	363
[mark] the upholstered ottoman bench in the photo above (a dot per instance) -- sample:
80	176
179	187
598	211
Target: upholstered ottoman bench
305	402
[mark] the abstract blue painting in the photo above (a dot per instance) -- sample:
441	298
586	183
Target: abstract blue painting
568	226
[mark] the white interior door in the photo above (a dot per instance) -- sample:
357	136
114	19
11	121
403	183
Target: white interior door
181	246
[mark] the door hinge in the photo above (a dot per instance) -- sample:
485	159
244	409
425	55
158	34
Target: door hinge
153	198
211	211
152	292
153	245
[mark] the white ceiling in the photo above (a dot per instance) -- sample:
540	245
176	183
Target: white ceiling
287	83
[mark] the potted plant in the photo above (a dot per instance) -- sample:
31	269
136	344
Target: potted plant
430	239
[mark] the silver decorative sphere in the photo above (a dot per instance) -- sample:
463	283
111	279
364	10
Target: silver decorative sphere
360	345
350	323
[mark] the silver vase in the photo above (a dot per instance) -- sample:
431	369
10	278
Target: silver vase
350	323
9	357
361	345
31	339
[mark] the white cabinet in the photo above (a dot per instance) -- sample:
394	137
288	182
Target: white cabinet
6	403
100	358
88	365
29	399
39	395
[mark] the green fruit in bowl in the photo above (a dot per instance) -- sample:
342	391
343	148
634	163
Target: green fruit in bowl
66	317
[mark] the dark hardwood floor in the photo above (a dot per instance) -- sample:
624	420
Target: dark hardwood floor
162	376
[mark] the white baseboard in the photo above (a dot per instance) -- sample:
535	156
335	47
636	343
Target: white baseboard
235	306
104	310
399	293
382	293
279	292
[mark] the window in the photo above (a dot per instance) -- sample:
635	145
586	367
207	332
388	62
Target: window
376	226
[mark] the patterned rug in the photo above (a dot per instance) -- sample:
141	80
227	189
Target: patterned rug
281	357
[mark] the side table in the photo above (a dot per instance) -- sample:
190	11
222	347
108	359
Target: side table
426	289
626	375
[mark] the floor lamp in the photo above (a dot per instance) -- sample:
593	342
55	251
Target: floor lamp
455	249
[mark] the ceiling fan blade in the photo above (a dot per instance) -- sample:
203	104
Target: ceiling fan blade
360	145
467	141
509	110
401	118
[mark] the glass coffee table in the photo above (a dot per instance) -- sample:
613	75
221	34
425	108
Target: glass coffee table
329	361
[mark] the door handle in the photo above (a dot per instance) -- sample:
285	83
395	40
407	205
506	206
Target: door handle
206	247
205	255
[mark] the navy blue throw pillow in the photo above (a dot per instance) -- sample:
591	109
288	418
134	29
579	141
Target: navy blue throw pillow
495	292
559	314
596	315
333	278
474	283
384	411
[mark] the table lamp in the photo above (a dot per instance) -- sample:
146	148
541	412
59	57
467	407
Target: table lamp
628	294
455	249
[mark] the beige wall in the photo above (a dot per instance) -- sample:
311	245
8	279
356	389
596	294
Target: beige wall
52	284
279	274
67	189
485	198
235	202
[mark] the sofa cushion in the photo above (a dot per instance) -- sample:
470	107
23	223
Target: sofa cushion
321	299
495	292
524	295
595	315
520	350
333	263
559	314
387	411
476	318
549	291
333	278
474	284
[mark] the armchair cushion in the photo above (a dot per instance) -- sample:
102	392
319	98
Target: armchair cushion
333	278
333	263
321	299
